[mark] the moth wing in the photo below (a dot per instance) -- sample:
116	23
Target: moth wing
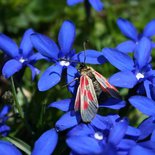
88	99
77	100
105	85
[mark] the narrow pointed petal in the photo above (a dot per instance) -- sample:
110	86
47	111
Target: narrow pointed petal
36	56
84	145
143	52
73	2
63	105
66	36
67	121
118	59
126	144
8	46
46	143
127	28
26	44
6	148
11	67
133	132
113	103
138	150
143	104
45	45
96	4
124	79
149	29
34	71
127	46
118	132
147	85
153	136
90	57
72	75
50	77
146	128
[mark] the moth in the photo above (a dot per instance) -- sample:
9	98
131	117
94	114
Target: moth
90	87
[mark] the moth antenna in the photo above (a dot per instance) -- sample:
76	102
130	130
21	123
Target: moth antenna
70	82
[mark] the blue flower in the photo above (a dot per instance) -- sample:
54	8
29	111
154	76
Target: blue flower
72	118
130	32
96	4
132	71
88	139
19	57
46	143
64	58
4	129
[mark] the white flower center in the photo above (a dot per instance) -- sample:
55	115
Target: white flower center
98	136
64	63
139	76
22	60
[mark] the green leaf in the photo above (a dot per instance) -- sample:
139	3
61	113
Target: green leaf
20	144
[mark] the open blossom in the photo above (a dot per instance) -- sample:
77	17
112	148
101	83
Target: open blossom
96	4
132	71
128	29
19	57
63	57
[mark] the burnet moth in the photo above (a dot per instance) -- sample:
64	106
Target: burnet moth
91	85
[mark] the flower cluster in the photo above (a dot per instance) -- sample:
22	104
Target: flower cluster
110	133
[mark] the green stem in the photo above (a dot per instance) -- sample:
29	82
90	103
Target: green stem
16	100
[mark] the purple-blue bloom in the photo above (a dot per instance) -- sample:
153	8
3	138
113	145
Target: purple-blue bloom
19	57
63	57
88	139
96	4
132	71
128	29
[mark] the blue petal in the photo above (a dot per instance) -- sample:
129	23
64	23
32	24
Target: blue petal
153	136
113	103
118	59
66	36
50	77
147	85
68	120
46	143
127	28
126	144
35	71
124	79
148	145
127	46
149	29
146	127
72	75
143	104
7	148
133	132
36	56
81	130
8	46
96	4
4	130
101	122
26	44
138	150
45	45
10	67
5	110
84	145
143	52
118	132
73	2
63	105
90	57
